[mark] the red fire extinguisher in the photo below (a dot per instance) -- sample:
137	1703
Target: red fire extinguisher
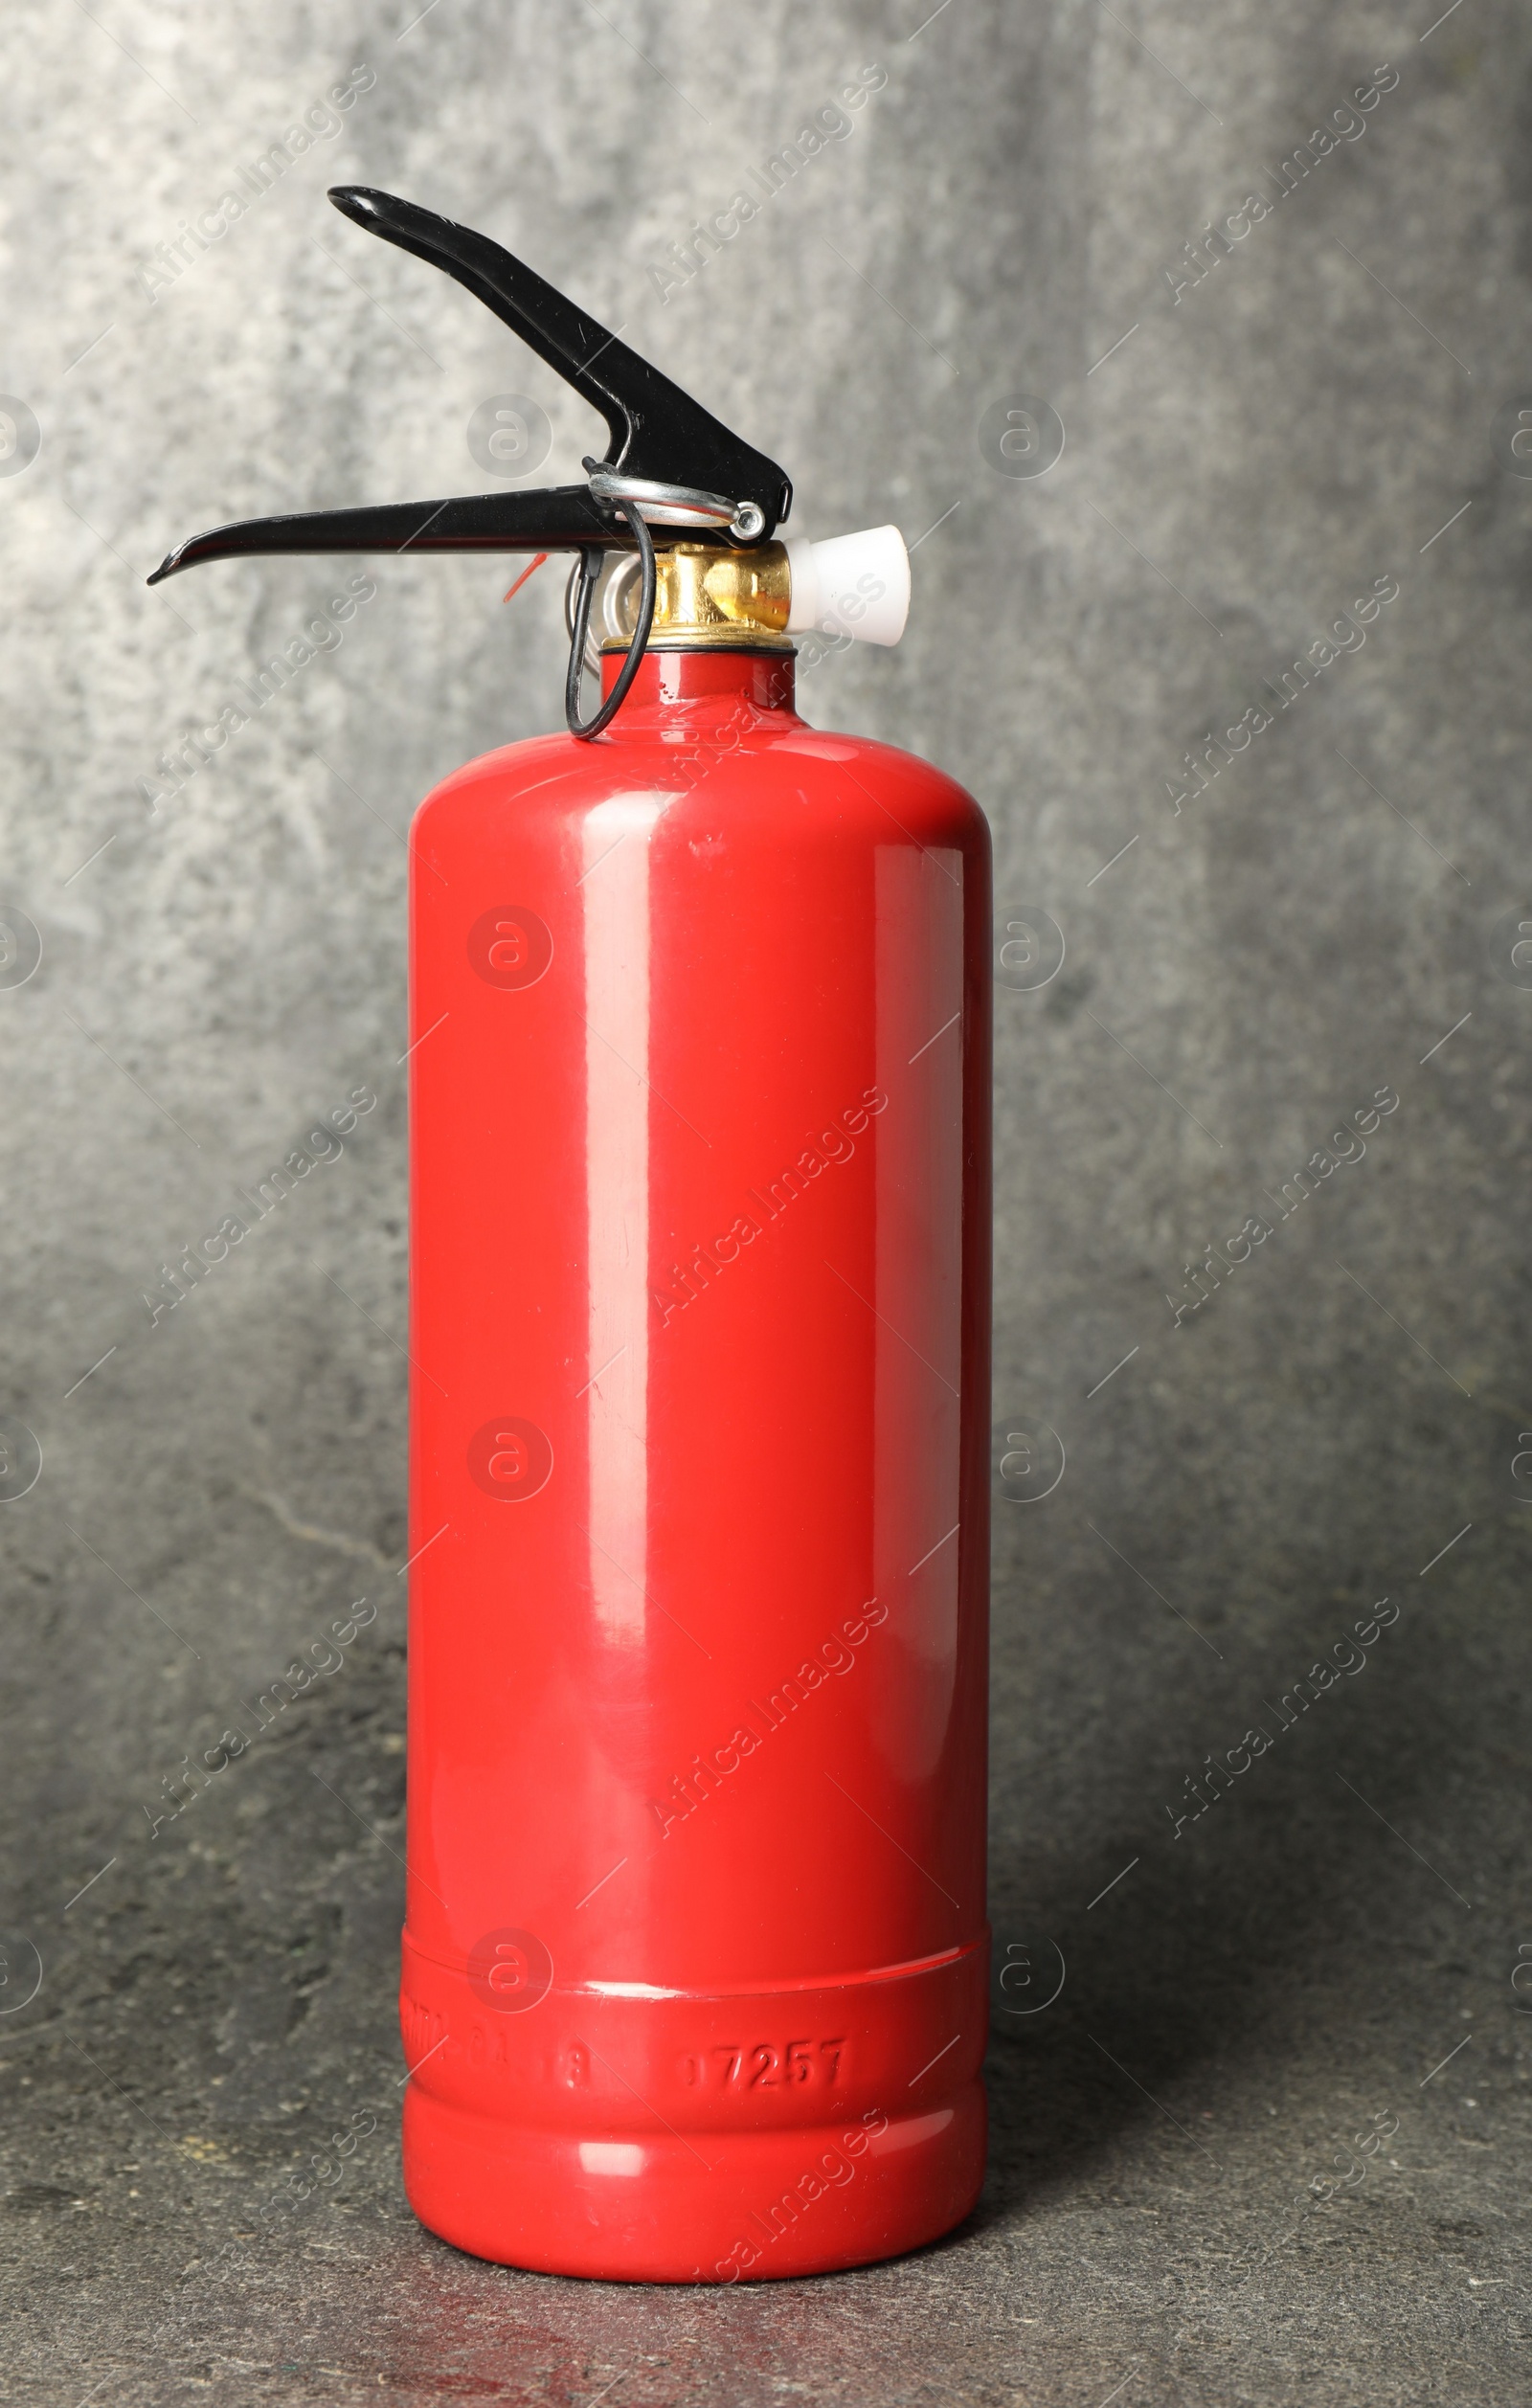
695	1960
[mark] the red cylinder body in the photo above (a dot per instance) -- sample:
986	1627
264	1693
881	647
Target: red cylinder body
695	1965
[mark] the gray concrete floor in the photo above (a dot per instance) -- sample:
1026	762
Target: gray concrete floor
1332	1949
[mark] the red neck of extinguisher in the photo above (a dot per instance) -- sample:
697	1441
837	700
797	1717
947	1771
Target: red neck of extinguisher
698	685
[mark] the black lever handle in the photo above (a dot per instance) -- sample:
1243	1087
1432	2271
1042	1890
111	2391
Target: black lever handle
656	429
558	518
656	432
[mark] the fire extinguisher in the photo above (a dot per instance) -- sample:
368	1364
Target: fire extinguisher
695	1965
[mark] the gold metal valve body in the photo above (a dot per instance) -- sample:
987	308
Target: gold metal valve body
709	596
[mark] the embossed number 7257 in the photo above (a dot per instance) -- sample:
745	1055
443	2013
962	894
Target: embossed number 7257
764	2067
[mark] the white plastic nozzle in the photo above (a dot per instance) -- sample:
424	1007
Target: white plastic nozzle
854	585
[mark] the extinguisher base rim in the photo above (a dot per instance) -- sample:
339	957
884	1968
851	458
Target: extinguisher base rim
717	2208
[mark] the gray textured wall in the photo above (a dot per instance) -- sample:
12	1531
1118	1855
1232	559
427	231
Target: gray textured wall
1244	460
